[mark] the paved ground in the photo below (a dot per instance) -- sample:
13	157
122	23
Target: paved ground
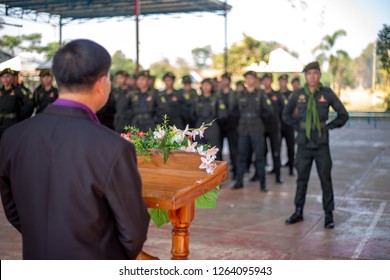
248	224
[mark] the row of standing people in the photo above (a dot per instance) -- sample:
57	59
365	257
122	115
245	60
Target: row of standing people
234	113
17	102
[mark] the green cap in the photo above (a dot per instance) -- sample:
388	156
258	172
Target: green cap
144	73
253	73
227	76
45	72
6	71
169	75
283	77
312	65
186	79
267	75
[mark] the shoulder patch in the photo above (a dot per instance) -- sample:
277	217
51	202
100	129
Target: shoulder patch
302	98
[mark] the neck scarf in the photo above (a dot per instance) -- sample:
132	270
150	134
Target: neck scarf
311	113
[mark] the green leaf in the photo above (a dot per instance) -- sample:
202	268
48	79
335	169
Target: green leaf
207	200
166	154
159	216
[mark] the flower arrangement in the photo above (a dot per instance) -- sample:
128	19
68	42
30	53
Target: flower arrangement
169	138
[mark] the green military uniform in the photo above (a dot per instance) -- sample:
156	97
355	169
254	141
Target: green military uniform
143	109
273	127
288	131
228	126
14	105
189	98
170	104
119	103
253	110
206	110
43	97
313	141
106	114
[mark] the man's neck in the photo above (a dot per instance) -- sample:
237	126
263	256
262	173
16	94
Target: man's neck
47	87
82	97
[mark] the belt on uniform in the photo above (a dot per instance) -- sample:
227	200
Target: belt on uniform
249	115
143	116
303	125
8	116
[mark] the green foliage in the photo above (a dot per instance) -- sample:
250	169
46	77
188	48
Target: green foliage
383	47
159	216
201	56
244	53
28	43
120	62
161	67
207	200
50	50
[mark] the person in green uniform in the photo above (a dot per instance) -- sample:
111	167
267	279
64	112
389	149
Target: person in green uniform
45	93
287	130
206	110
253	110
143	103
18	82
228	125
307	110
170	102
189	96
118	103
14	105
273	126
295	83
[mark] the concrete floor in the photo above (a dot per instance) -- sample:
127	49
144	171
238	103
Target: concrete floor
248	224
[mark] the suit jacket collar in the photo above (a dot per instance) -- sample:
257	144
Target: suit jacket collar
67	112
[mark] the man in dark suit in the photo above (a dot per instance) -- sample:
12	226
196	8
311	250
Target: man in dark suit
69	185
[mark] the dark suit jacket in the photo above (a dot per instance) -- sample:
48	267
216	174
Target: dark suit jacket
72	188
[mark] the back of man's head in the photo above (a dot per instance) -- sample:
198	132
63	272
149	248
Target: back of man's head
79	64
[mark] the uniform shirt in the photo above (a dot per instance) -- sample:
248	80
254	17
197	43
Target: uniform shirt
208	109
253	110
43	97
170	104
229	100
276	99
143	109
294	114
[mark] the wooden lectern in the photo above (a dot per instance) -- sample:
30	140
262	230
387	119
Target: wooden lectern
175	186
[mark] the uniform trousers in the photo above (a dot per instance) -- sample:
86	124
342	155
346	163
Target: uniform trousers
303	163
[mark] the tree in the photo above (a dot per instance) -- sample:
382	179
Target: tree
383	49
50	50
202	56
120	62
161	67
21	43
244	53
328	54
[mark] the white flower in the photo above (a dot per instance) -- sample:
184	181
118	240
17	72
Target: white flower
201	151
191	148
199	131
212	151
208	164
159	134
179	134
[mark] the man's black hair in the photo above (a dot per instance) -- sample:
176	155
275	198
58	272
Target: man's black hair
79	64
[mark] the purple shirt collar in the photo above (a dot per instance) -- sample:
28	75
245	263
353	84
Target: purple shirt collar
74	104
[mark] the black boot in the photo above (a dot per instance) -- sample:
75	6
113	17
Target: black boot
255	178
263	188
279	180
329	220
291	173
296	217
237	185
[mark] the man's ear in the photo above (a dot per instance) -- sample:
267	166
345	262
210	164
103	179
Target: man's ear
98	87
